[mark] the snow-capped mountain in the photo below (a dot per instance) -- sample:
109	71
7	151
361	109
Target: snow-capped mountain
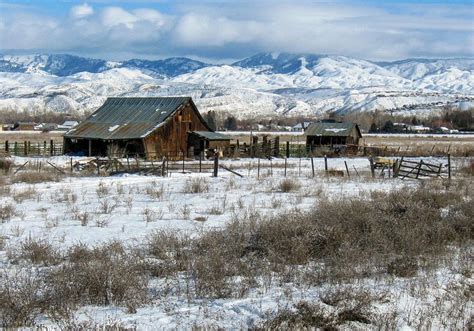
266	84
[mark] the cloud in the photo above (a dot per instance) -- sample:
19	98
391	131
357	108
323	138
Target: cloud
81	11
237	29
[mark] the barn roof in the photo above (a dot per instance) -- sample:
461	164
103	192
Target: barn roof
208	135
128	118
331	129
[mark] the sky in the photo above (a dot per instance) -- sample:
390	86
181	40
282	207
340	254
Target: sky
221	31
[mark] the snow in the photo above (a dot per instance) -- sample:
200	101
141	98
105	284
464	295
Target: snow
268	85
113	128
37	218
334	130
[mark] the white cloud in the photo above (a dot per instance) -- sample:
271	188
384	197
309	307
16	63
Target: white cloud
81	11
112	16
233	30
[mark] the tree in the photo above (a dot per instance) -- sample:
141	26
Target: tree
415	121
230	123
373	128
388	126
210	118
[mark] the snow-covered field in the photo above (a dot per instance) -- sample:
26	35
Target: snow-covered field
129	208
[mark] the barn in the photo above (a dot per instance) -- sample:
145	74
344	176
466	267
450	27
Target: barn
335	135
150	127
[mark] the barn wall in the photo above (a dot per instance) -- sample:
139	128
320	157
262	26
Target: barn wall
171	139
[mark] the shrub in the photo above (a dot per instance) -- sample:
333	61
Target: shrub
37	251
33	177
20	299
7	211
288	185
403	267
196	185
5	164
100	276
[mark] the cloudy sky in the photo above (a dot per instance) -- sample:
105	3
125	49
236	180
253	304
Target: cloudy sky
224	30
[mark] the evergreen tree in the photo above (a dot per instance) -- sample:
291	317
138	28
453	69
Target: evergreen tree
373	128
230	123
210	118
388	126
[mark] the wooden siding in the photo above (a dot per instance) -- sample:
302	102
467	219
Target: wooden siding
172	137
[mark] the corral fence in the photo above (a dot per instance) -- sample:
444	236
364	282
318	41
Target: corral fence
265	148
29	148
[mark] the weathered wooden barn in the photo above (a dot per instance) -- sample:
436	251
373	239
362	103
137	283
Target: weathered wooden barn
150	127
332	134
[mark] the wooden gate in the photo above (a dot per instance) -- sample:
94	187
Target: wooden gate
421	169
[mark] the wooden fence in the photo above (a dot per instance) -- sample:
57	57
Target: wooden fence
422	169
28	148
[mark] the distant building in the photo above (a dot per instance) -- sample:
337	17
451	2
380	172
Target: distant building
300	127
332	135
151	127
67	125
46	127
418	128
24	126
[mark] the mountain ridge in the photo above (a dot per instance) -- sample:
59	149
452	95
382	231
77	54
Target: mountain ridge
266	84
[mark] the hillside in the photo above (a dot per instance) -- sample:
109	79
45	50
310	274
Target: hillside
263	85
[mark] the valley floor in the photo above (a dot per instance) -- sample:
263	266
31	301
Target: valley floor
133	210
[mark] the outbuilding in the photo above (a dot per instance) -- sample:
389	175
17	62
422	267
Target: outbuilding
150	127
332	134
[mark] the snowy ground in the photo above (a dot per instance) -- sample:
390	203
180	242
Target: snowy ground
129	208
116	205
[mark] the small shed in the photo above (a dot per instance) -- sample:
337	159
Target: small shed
201	140
333	134
150	127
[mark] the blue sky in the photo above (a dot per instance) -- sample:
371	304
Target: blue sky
221	31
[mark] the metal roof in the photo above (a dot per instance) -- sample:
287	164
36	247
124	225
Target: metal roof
331	129
128	118
211	135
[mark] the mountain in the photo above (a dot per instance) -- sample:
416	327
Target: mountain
66	65
166	68
263	85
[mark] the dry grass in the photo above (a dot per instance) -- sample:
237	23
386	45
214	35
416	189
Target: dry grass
288	185
5	165
7	211
34	177
196	185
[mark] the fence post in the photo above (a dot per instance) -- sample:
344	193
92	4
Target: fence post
347	169
449	165
271	168
15	148
51	147
286	160
200	161
287	149
163	164
25	148
98	166
299	167
71	165
326	164
372	167
258	168
183	162
6	146
216	164
312	165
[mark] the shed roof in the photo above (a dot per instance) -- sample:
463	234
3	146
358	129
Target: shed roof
331	129
208	135
129	118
